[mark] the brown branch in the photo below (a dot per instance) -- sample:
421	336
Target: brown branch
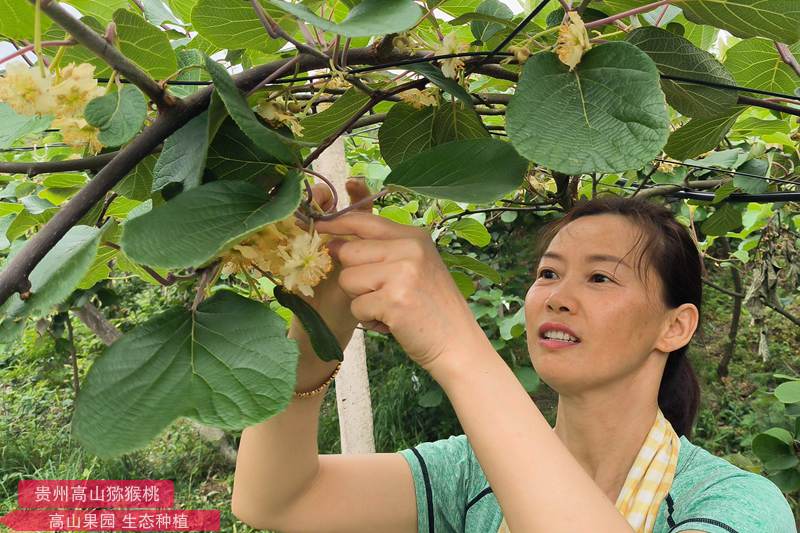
662	190
93	319
274	30
766	104
105	51
788	57
68	165
775	306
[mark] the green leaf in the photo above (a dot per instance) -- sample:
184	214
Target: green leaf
751	185
528	377
14	126
774	19
218	20
228	365
723	191
555	17
233	156
156	12
317	127
464	283
99	269
17	19
396	213
471	231
368	18
138	183
322	339
467	18
52	280
431	398
472	170
448	85
788	392
407	132
483	31
472	265
101	10
198	224
786	480
608	115
676	56
5	223
726	218
513	326
119	115
183	157
775	449
145	45
182	8
699	135
265	138
80	54
755	63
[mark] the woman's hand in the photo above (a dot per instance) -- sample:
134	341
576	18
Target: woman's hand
329	300
399	285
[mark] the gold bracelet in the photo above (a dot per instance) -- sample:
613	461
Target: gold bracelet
321	387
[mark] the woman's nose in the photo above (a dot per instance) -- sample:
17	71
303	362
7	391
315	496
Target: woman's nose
560	300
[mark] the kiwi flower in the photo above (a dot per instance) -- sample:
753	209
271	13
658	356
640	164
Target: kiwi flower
573	41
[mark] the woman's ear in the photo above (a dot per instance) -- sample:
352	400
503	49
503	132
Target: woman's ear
679	328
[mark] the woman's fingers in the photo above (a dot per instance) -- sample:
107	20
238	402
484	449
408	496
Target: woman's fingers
321	194
358	190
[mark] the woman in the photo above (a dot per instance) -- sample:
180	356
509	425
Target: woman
613	304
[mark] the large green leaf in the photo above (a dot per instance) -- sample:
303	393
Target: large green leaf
322	339
14	126
755	63
228	365
138	183
367	18
788	392
182	8
471	231
52	279
183	157
676	56
407	132
119	115
268	140
219	20
319	126
102	10
233	156
774	19
157	12
775	449
699	135
608	115
16	21
483	31
198	224
144	44
726	218
472	265
472	170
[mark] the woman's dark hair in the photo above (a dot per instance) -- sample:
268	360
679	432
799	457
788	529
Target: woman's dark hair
671	250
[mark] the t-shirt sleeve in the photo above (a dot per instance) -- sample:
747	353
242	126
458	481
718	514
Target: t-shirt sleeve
441	473
743	503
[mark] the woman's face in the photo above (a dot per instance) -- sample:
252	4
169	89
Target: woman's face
580	283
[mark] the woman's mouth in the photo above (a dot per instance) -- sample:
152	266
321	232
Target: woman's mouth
557	340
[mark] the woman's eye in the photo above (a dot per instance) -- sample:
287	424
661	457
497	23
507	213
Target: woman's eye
544	271
594	276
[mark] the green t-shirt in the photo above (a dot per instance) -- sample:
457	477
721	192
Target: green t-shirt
708	494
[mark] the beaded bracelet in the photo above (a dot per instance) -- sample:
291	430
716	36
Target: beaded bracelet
321	387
